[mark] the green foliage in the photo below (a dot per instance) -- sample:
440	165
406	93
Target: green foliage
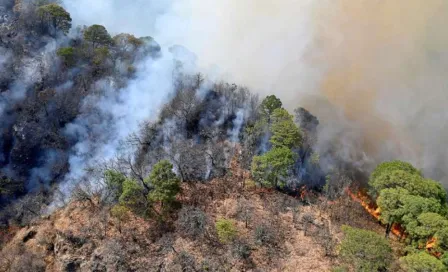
389	203
166	183
390	166
441	237
127	41
114	181
120	212
272	168
422	262
268	105
258	129
339	269
100	55
397	179
444	259
284	132
413	183
427	225
134	197
55	16
432	188
97	35
398	206
226	230
405	197
67	54
366	250
413	206
403	205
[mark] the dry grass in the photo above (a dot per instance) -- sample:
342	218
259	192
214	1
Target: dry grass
85	237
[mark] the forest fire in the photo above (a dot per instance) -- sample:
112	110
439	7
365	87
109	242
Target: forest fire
362	198
303	192
369	205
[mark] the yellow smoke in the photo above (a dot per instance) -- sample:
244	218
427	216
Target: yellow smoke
383	63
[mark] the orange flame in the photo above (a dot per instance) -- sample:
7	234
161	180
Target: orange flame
303	192
369	205
396	229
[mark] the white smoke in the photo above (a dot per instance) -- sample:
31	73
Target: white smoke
116	114
381	65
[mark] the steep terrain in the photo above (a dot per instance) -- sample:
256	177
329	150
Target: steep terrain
276	232
117	154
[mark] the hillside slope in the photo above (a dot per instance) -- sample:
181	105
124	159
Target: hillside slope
275	232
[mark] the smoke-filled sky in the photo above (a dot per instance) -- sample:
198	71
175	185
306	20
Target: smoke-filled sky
374	71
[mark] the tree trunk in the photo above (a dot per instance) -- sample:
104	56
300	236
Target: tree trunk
388	228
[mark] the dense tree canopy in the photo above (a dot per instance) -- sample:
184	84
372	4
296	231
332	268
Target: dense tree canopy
386	167
365	250
269	104
56	17
97	35
417	204
422	262
272	168
284	132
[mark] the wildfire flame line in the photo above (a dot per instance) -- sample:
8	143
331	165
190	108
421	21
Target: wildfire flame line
373	210
397	229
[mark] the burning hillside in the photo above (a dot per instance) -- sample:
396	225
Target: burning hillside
121	153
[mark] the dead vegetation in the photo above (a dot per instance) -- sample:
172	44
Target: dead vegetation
275	232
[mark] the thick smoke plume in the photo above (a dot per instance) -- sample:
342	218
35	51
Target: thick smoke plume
374	72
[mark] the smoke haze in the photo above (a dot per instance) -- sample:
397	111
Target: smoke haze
374	72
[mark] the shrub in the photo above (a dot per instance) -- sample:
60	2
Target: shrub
263	235
241	250
192	221
226	230
121	214
185	261
339	269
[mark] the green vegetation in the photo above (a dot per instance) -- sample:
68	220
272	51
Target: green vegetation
419	205
114	182
284	132
428	225
390	166
162	186
134	197
422	262
67	54
97	35
100	55
121	213
365	250
272	168
404	195
55	16
226	230
166	183
268	105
